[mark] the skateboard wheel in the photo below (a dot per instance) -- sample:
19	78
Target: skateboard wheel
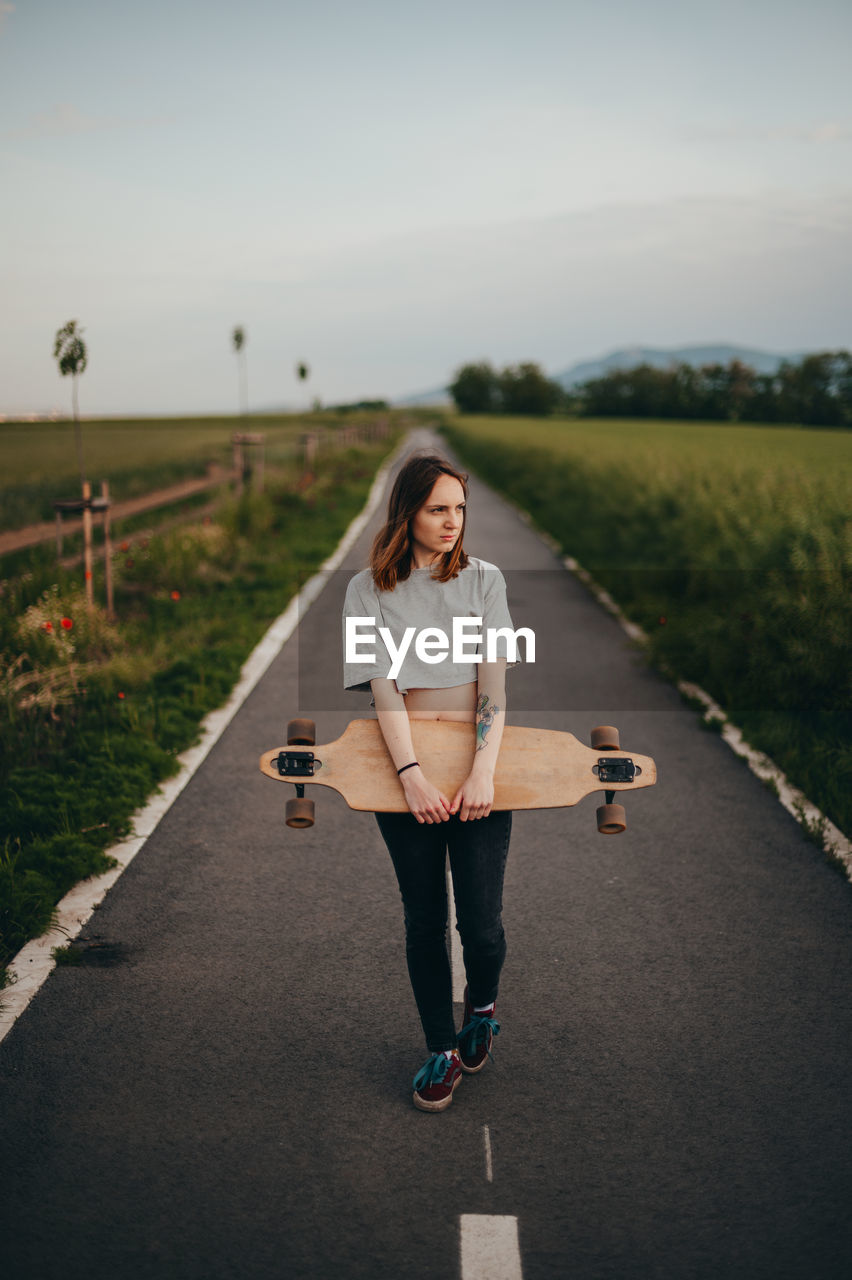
301	733
611	819
605	738
299	813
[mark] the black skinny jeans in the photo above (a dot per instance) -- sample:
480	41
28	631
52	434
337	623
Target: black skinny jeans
478	850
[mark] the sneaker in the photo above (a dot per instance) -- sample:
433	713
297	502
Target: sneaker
476	1037
435	1082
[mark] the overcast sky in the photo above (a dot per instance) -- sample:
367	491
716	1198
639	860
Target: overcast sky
388	189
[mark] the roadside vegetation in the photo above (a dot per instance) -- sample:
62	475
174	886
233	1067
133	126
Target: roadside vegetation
730	545
96	709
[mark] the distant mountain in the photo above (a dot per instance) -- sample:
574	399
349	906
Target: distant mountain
663	357
629	357
429	399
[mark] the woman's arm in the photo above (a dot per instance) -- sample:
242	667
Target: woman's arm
490	713
425	801
476	794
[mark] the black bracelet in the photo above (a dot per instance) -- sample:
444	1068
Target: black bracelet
407	766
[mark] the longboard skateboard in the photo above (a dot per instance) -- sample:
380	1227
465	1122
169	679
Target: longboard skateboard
536	768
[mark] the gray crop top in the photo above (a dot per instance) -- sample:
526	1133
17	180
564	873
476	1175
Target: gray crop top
479	591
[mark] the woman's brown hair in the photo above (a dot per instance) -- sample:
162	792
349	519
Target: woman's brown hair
390	556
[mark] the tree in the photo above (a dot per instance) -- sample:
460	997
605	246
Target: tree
302	371
475	388
816	389
239	339
741	386
713	396
69	350
526	389
684	391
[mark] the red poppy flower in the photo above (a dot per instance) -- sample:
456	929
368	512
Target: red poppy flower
47	626
128	564
663	621
125	546
176	595
66	624
121	695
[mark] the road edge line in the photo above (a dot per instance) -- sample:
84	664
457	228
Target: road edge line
30	968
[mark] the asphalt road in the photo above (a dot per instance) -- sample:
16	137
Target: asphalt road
223	1091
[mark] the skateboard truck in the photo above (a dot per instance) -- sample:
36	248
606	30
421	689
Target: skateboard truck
611	820
616	769
297	764
610	816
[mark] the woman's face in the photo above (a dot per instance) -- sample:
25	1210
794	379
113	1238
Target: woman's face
438	524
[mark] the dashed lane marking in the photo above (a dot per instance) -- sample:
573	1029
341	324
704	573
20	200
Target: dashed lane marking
489	1247
489	1164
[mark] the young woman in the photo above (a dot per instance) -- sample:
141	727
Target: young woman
420	576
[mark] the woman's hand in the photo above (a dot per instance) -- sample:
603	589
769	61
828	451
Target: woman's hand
425	801
475	795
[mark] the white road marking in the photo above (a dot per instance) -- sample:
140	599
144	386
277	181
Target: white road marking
456	956
33	964
489	1164
489	1247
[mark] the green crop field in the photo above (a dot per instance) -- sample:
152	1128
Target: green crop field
38	460
730	544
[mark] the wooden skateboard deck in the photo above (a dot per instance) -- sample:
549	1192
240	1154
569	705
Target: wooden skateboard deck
536	768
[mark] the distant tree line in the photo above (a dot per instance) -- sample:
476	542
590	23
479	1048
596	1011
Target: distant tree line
359	404
520	388
816	391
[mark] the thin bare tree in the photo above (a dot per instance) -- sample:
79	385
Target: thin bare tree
303	371
239	340
69	350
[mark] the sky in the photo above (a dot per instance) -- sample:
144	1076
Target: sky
388	190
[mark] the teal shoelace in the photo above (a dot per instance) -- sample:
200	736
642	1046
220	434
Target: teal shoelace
476	1033
433	1072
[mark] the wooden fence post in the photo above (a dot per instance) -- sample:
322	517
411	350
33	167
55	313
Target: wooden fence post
107	548
247	459
87	542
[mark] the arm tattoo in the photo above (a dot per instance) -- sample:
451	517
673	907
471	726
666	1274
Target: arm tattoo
485	714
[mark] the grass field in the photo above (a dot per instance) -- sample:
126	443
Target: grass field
38	460
95	710
730	544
